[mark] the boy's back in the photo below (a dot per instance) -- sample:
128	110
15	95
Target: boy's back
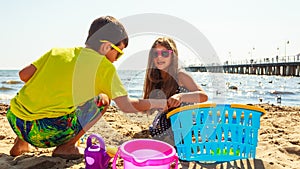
65	77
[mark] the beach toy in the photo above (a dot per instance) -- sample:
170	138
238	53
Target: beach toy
111	151
215	132
95	154
82	140
146	154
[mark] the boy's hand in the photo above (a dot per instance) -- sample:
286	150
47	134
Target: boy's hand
165	106
102	100
159	104
165	109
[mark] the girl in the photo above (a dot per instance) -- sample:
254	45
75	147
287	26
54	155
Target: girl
164	80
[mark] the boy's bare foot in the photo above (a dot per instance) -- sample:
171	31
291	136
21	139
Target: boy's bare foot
66	151
19	147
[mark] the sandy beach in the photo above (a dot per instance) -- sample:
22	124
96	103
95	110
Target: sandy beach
278	145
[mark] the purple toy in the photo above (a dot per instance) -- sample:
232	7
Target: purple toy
95	155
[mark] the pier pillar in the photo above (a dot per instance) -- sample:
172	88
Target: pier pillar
251	70
277	70
272	70
268	70
284	71
261	70
225	69
241	71
293	70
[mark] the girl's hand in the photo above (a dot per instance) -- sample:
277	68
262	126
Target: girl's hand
175	100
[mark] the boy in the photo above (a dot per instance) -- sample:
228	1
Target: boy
67	90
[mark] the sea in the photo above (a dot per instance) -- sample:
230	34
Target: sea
220	87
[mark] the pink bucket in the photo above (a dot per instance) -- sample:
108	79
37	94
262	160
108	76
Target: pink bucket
146	153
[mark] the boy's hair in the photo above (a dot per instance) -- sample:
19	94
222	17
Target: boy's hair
106	28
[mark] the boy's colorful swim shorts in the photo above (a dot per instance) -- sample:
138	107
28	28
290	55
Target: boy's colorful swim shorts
51	132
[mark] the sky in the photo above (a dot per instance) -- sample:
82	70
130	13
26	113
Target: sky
235	29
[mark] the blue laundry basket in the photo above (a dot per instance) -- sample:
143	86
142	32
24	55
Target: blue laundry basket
215	132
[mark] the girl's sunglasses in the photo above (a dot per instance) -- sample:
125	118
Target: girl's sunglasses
163	53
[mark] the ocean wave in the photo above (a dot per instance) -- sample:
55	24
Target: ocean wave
280	92
12	82
5	98
250	91
135	91
5	88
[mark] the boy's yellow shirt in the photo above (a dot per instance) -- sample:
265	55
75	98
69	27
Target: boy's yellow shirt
64	79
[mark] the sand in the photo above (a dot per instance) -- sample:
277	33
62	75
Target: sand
278	145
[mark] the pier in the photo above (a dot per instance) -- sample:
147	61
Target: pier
283	66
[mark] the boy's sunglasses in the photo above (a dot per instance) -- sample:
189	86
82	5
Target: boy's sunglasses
115	47
163	53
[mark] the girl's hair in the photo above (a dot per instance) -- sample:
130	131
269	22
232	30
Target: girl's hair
154	85
106	28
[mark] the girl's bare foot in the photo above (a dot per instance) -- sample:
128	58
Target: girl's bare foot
19	147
